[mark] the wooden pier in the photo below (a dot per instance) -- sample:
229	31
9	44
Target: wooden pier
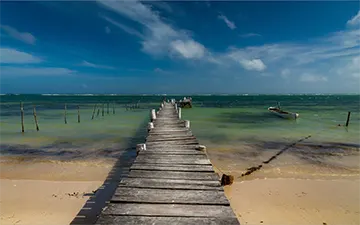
171	180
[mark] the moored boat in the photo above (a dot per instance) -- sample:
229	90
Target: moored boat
287	115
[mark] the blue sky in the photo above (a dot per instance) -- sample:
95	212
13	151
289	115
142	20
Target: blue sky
139	47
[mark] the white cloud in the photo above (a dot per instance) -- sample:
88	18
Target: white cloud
158	37
92	65
248	35
35	71
188	49
125	28
285	73
9	55
22	36
350	69
307	77
247	62
107	30
355	20
229	23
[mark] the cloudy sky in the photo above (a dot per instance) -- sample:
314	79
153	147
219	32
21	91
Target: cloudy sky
201	47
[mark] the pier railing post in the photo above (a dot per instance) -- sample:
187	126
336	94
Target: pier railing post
140	147
187	123
179	113
150	126
153	115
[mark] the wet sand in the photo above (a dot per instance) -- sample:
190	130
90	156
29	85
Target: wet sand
47	191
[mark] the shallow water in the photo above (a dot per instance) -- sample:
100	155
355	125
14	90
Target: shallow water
220	122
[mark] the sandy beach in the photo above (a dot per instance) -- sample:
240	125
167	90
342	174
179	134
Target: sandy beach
47	191
320	187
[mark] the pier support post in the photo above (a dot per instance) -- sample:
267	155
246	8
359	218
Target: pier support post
93	114
176	108
150	126
65	114
153	115
179	113
22	117
35	119
78	109
348	119
187	123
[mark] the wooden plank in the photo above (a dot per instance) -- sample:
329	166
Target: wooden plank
162	167
188	161
131	209
191	152
131	220
147	195
173	138
180	142
174	175
171	184
172	157
168	147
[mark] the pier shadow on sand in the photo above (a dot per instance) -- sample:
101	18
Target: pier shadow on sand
99	198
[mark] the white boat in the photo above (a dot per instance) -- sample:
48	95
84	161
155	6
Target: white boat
287	115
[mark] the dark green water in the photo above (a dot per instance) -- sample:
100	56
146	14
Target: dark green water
217	121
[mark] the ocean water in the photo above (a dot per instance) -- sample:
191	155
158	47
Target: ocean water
217	121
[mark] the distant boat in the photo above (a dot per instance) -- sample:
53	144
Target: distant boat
287	115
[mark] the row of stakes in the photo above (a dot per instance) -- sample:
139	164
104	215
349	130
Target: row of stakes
65	114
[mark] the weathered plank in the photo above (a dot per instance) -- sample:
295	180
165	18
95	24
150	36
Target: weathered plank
175	152
164	139
172	157
188	161
174	175
171	184
131	209
180	142
143	195
131	220
176	167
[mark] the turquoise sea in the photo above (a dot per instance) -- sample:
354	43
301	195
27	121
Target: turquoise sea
225	121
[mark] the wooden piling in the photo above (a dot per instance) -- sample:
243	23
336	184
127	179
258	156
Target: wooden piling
22	117
78	108
179	113
65	114
153	115
150	126
187	123
35	118
103	110
113	107
108	108
348	119
98	112
93	114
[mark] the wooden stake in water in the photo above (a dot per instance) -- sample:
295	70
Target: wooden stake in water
78	107
114	108
348	119
98	112
102	112
35	118
93	114
108	108
65	114
22	117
